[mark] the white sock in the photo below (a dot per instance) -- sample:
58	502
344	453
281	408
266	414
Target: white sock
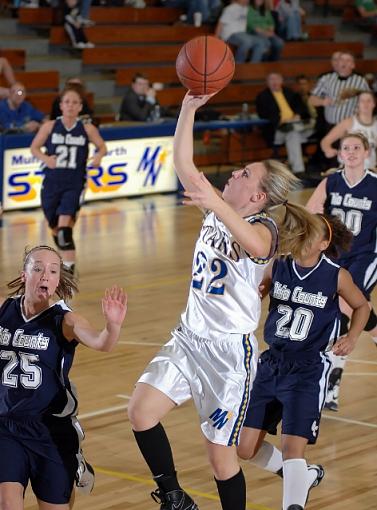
296	482
68	263
268	458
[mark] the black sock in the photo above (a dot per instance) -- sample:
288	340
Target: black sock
155	447
232	492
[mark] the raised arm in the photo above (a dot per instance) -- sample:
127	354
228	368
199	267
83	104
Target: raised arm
114	309
353	296
183	148
333	135
95	137
255	238
38	142
317	201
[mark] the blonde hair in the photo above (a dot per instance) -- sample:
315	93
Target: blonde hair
67	283
297	230
363	139
297	227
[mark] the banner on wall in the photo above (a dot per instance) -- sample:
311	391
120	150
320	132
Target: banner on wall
131	167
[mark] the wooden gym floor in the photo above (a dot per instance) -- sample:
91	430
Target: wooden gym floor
146	245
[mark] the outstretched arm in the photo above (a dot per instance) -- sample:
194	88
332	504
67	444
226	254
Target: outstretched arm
355	299
317	201
183	148
114	309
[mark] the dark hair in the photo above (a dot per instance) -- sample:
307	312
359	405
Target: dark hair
301	77
73	87
136	76
339	235
67	283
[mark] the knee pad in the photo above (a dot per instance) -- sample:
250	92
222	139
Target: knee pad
372	321
344	323
64	239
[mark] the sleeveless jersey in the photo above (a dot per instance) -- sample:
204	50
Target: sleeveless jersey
35	359
70	146
370	132
224	295
304	314
356	206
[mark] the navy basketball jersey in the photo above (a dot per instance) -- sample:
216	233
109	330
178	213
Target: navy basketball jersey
356	206
70	146
304	313
35	359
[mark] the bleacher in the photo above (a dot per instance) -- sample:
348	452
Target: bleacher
148	40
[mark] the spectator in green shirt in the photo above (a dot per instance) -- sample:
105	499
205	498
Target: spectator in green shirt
367	10
260	23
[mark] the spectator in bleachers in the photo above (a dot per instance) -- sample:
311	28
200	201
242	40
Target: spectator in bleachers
367	10
261	24
18	114
337	91
289	16
288	116
139	101
73	25
6	70
77	84
209	9
84	13
231	28
303	88
363	121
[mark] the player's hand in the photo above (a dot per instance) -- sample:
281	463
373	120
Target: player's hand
95	161
344	345
50	161
195	102
204	196
114	305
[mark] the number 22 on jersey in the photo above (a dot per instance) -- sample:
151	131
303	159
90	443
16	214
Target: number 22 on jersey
209	275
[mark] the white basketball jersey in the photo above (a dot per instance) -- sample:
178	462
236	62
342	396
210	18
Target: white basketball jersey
224	296
370	132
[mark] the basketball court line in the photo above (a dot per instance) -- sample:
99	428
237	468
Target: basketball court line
123	407
146	481
348	420
373	374
156	344
365	362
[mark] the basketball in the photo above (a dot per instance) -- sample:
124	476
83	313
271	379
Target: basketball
205	65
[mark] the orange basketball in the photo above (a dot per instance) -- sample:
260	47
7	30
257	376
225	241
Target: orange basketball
205	65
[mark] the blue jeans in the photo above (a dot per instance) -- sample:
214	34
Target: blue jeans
291	26
245	43
85	6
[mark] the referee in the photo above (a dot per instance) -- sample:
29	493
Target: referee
337	91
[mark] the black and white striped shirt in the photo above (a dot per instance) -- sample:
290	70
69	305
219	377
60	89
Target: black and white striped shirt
332	85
